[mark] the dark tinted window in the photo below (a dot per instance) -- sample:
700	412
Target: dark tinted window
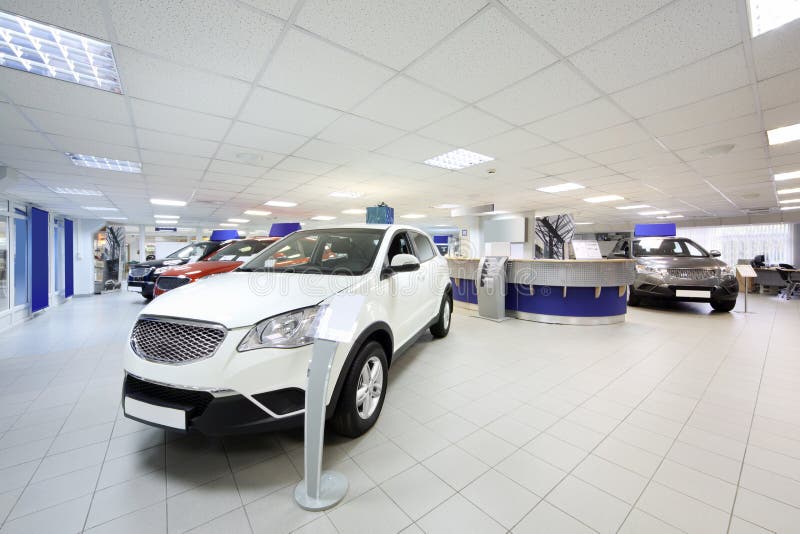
240	250
664	246
400	245
423	246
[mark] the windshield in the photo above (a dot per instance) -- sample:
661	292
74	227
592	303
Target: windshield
240	250
194	250
660	246
346	251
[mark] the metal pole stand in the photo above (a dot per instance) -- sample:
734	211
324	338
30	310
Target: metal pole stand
335	323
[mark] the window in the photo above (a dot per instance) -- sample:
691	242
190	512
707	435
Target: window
195	250
20	261
659	246
423	246
4	289
400	245
745	242
240	250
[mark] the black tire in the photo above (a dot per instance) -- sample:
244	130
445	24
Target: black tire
633	300
442	325
723	305
347	421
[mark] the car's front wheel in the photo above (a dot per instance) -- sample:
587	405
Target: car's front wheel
442	325
363	392
723	305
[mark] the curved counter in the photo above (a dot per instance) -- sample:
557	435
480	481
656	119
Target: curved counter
582	292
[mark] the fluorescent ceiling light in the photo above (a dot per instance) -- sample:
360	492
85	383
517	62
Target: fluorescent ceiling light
108	164
787	176
259	213
166	222
582	223
99	208
239	220
167	216
789	191
654	212
447	206
787	208
322	218
165	202
346	194
413	216
280	204
671	217
45	50
766	15
634	207
355	211
458	159
228	224
604	198
569	186
73	191
784	135
116	218
790	201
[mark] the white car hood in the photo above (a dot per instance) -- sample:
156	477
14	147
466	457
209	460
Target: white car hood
239	299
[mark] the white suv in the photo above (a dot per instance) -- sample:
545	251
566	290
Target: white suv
229	354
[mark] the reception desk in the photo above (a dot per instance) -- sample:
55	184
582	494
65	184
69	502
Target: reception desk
582	292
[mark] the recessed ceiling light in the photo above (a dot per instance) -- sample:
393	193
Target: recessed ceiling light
447	206
413	216
568	186
784	135
787	176
115	218
671	217
788	208
654	212
789	191
45	50
634	207
228	224
355	211
582	223
239	220
604	198
458	159
280	204
167	216
108	164
260	213
165	202
346	194
166	222
322	218
99	208
73	191
790	201
766	15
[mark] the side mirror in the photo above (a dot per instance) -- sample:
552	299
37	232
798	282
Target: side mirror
401	263
715	253
150	257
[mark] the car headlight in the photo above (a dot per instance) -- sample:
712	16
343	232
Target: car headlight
727	271
162	269
646	269
284	331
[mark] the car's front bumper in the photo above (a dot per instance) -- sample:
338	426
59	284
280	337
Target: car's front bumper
719	290
143	286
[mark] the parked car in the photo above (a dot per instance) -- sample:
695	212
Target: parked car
223	260
229	353
676	268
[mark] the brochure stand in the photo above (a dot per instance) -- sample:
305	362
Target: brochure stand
335	324
747	272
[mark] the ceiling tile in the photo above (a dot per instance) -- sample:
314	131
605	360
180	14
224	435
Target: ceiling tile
780	90
677	35
70	126
360	133
775	52
279	8
540	156
11	118
178	121
238	169
249	135
81	16
485	55
219	35
625	153
312	69
711	76
150	78
153	140
309	166
283	112
28	138
464	127
240	154
782	116
407	104
510	142
547	92
328	152
621	135
398	31
176	160
94	148
590	117
712	110
713	132
415	148
570	25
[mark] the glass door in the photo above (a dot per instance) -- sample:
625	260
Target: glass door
20	261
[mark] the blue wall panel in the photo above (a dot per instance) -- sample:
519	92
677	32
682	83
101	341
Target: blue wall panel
580	301
465	290
40	265
69	282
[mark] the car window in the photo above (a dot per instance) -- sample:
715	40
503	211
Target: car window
240	250
194	250
660	246
423	247
694	250
400	245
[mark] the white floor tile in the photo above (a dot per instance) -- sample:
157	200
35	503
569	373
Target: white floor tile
198	506
531	472
455	466
680	510
417	491
640	522
611	478
384	461
546	519
150	519
695	484
590	505
500	497
371	513
457	514
127	497
486	447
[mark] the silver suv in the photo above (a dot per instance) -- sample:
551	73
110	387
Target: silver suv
677	268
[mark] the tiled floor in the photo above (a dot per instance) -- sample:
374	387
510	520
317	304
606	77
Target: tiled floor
678	420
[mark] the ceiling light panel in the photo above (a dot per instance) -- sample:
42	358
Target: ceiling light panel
259	213
458	159
654	212
230	225
73	191
786	134
45	50
280	204
787	176
789	191
788	208
560	188
670	217
167	202
604	198
355	211
167	216
95	162
239	220
634	207
322	218
790	201
766	15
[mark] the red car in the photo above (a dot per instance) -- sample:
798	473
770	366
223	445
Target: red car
224	260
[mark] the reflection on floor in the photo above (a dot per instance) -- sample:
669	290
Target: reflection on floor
678	420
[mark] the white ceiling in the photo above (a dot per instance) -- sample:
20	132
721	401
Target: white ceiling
233	103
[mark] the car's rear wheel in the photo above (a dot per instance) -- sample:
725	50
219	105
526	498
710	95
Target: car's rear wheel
363	392
723	305
442	325
633	299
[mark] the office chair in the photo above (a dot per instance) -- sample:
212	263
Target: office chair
758	262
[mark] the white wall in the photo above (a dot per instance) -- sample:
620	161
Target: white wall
85	229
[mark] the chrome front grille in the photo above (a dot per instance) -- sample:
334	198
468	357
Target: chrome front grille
174	341
138	272
165	283
693	274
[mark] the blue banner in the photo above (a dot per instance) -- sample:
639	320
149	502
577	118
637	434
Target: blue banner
40	264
